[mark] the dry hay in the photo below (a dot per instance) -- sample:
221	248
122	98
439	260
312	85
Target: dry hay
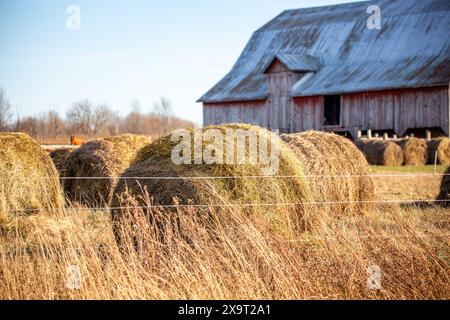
100	162
214	191
381	152
415	151
338	170
444	194
59	157
286	220
441	146
28	179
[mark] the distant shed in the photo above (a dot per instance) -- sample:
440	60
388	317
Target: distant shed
322	68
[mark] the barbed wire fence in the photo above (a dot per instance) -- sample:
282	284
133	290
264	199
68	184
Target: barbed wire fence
281	204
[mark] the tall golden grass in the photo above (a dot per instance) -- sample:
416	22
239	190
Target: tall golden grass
410	245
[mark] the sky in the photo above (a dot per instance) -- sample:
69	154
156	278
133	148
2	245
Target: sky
125	51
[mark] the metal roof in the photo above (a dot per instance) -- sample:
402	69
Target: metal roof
412	49
297	62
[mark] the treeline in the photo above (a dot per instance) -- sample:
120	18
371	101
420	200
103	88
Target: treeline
90	120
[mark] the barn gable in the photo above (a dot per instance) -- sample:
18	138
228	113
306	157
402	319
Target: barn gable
295	62
341	55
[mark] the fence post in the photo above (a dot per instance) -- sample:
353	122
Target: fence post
435	161
359	134
369	134
385	136
428	133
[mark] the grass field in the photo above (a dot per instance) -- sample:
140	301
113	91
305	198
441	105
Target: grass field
73	254
409	244
407	182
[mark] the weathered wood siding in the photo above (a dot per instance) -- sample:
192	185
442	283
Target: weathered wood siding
307	114
396	110
253	112
279	104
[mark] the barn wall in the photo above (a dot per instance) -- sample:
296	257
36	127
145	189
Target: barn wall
279	104
253	112
307	114
397	109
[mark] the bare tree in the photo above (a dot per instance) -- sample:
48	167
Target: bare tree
29	125
86	119
79	116
163	107
55	124
163	110
5	111
101	116
136	106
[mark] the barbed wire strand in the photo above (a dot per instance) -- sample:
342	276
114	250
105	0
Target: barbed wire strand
413	201
421	175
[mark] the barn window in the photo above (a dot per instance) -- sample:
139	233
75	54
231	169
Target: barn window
332	110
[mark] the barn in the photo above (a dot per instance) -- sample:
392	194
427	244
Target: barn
325	68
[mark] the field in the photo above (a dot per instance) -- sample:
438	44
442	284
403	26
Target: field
407	182
410	244
74	254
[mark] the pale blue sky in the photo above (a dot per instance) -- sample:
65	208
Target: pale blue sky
125	50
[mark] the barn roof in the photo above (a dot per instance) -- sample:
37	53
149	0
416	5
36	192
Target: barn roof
412	49
299	62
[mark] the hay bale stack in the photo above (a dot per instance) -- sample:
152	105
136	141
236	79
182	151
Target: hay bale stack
59	157
415	151
28	179
155	161
381	152
91	171
444	194
339	172
214	189
441	147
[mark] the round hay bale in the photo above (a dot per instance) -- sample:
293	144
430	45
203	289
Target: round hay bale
338	171
59	157
444	194
218	190
415	151
381	152
441	147
91	171
28	179
235	184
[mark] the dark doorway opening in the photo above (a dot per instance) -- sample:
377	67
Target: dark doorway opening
332	110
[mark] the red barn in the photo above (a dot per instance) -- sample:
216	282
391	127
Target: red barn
323	68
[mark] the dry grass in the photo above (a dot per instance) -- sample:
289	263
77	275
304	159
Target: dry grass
381	152
154	160
332	176
415	151
28	178
59	157
406	187
177	257
410	246
444	192
104	159
439	151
